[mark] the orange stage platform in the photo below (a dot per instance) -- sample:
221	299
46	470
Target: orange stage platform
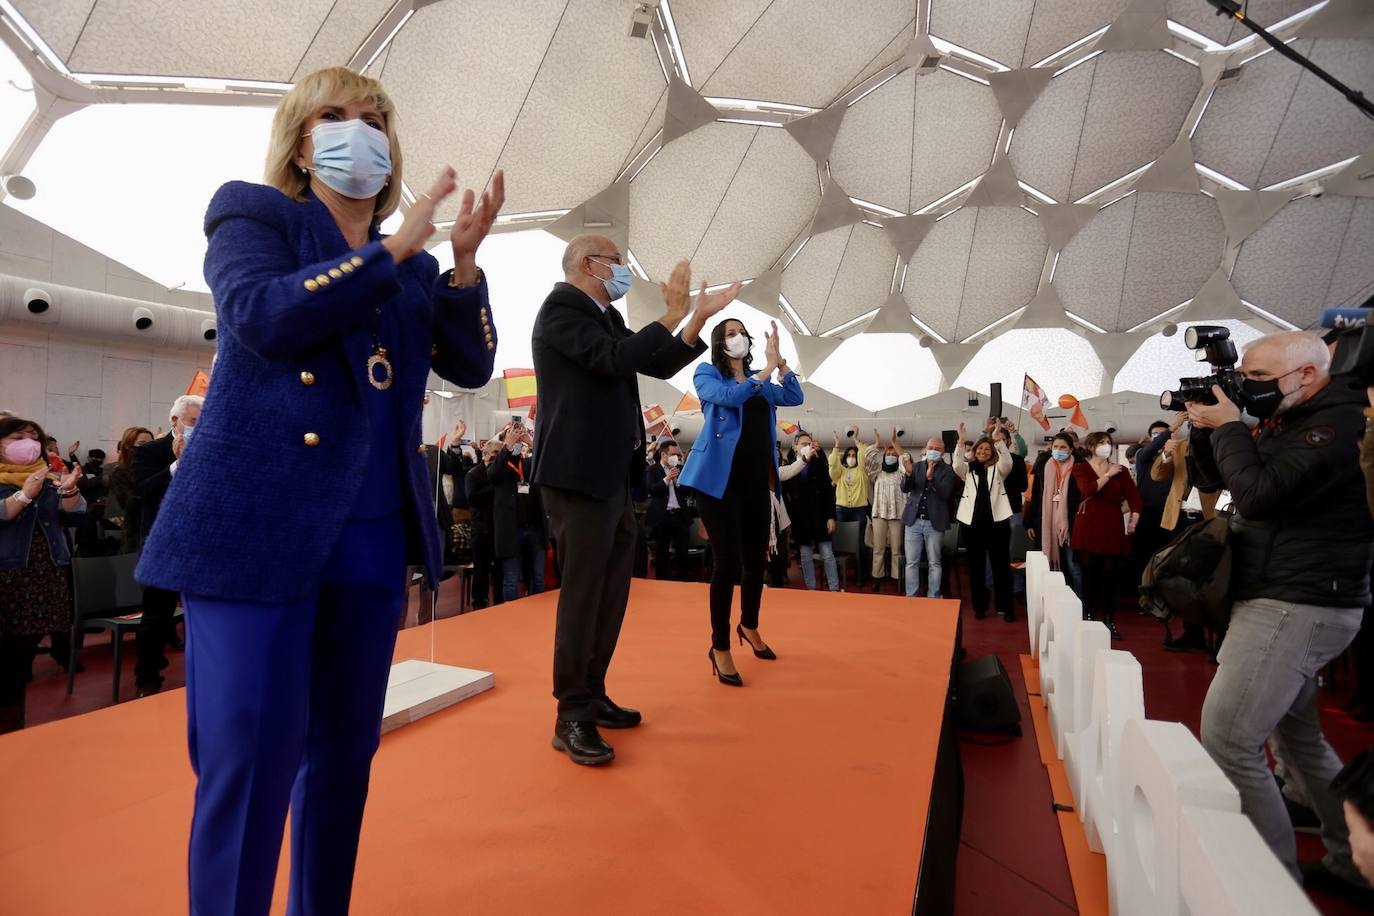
807	791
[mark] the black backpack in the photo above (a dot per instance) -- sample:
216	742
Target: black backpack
1190	577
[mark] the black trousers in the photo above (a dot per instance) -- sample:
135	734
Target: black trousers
990	541
486	570
1101	583
596	540
16	665
737	525
159	609
672	533
1149	536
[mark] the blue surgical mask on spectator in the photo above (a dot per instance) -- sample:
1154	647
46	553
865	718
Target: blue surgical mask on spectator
1060	454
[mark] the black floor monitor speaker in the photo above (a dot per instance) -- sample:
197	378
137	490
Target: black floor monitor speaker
984	701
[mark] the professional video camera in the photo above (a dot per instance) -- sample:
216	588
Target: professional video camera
1214	346
1354	354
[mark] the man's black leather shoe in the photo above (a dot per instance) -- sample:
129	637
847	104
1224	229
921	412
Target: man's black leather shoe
581	742
609	715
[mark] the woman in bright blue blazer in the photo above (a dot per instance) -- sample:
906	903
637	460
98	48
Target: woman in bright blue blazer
733	466
292	516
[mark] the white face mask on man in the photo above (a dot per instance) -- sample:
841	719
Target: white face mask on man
672	461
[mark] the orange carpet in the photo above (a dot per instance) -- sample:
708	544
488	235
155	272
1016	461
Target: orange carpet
804	792
1087	869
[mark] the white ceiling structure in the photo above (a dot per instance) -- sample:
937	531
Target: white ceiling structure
943	170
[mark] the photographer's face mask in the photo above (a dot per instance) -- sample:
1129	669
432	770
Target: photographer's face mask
1266	398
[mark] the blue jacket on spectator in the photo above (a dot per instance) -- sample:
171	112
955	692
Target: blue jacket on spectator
16	535
722	405
265	486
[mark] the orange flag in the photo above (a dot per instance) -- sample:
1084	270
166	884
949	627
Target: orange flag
688	404
199	385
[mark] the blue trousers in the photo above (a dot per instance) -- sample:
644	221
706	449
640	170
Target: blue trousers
284	708
527	562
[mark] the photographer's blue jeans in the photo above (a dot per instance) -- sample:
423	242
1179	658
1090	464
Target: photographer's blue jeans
922	536
808	565
1265	689
528	561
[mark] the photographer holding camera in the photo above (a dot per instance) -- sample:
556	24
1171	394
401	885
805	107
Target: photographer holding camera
1302	541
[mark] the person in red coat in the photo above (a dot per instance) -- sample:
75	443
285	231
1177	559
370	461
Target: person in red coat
1101	536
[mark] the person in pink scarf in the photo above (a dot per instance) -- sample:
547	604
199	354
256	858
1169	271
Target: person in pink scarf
1051	509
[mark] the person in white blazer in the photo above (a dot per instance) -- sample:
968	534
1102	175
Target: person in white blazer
985	513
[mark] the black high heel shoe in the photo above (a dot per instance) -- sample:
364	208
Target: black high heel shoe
730	680
765	652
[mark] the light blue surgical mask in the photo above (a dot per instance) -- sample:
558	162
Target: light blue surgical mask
1060	454
186	432
351	157
932	455
618	284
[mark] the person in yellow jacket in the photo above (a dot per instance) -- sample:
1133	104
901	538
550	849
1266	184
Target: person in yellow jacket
853	483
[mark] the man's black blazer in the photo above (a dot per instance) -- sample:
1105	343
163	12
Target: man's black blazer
656	480
589	426
152	476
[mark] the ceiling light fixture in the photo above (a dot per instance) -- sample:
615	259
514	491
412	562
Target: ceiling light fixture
18	187
641	18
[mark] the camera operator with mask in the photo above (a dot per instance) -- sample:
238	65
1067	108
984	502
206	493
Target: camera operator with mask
1302	541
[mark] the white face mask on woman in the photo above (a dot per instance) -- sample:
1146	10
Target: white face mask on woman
737	347
1103	451
806	451
851	461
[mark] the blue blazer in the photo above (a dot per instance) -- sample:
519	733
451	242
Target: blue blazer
265	486
722	405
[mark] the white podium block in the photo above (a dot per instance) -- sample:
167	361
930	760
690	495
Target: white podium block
1037	568
1067	616
1061	611
1090	639
1118	697
1226	869
416	689
1162	769
1035	604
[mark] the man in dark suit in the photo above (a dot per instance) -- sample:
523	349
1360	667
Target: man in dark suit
480	493
668	517
155	463
517	517
588	454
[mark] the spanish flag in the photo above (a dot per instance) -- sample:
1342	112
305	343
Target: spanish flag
788	428
521	389
652	414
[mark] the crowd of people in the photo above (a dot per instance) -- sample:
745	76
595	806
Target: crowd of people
292	597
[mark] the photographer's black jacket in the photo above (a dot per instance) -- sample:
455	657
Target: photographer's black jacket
1302	530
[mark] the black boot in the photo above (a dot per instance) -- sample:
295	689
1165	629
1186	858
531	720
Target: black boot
581	742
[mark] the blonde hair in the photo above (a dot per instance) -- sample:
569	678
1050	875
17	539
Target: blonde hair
338	86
